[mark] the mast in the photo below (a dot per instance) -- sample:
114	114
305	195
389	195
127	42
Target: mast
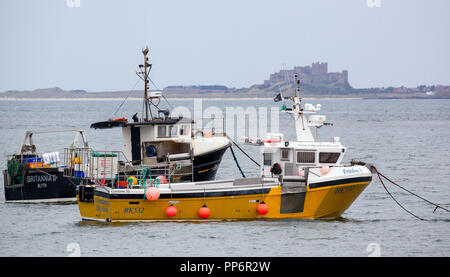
301	124
297	98
143	74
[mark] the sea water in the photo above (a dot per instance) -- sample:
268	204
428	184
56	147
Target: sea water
407	140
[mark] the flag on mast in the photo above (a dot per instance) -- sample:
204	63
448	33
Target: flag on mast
277	98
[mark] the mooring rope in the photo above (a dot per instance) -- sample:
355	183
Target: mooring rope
237	163
243	151
410	192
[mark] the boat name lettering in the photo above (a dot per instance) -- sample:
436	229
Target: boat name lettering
41	178
343	189
351	171
41	185
133	210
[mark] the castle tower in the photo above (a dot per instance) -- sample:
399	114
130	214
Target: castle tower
345	76
319	68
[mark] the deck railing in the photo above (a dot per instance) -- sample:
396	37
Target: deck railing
108	168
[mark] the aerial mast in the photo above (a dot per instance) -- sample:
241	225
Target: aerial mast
301	124
297	99
143	74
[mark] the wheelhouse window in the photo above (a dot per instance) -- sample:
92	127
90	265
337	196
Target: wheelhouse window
306	157
173	131
162	131
328	157
184	130
285	154
267	159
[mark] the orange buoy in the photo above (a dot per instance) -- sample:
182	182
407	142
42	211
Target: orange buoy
152	193
325	169
171	211
262	208
301	173
162	179
120	119
204	212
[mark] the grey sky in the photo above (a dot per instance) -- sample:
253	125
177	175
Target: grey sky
234	43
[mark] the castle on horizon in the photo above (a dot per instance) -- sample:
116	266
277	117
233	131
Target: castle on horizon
317	73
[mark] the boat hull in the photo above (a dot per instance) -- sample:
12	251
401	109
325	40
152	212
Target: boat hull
325	202
206	165
43	185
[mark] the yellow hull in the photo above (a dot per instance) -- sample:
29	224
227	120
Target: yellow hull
322	202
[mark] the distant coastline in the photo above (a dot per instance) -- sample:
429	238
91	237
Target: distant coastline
223	93
215	98
171	99
58	94
316	83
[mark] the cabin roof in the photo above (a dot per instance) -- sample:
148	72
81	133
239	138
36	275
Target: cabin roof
157	121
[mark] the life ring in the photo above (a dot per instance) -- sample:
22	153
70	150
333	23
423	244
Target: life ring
150	151
276	169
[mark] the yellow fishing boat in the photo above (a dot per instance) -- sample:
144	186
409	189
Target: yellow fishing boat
297	179
236	199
